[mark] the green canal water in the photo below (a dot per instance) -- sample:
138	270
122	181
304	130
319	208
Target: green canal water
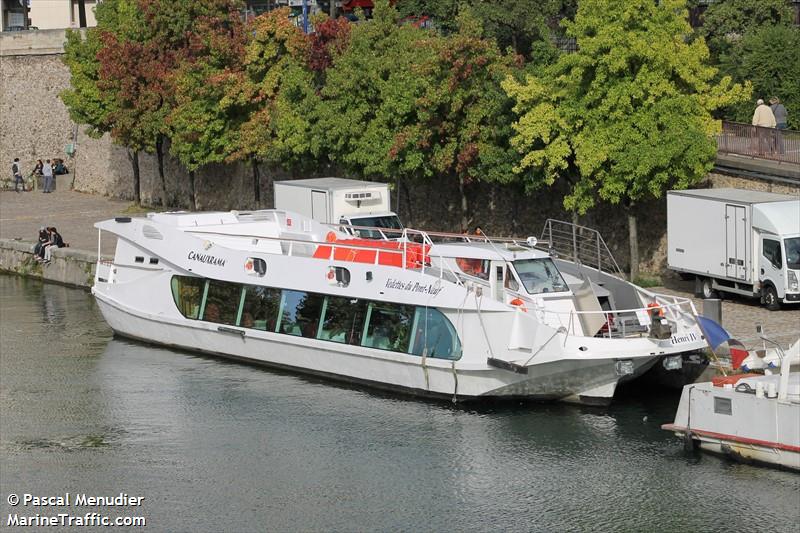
218	446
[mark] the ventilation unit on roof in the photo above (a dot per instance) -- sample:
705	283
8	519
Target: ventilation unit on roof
362	196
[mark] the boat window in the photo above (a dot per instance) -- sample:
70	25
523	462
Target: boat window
540	275
510	281
188	293
389	222
474	267
388	326
793	253
222	302
260	308
300	313
343	320
434	335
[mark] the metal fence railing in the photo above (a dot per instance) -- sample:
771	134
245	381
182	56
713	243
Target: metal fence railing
756	141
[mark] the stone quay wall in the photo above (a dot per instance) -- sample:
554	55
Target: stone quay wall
35	124
67	266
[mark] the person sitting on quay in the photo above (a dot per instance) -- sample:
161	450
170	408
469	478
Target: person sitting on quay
54	241
43	238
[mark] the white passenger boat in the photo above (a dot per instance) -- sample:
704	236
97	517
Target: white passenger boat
459	318
750	417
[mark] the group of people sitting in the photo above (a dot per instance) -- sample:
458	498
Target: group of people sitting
49	238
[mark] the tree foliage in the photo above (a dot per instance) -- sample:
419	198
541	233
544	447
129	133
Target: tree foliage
725	22
85	101
629	114
371	93
769	58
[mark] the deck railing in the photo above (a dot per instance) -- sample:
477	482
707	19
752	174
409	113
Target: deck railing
755	141
580	245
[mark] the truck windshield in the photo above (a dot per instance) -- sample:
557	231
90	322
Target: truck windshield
792	253
385	221
540	275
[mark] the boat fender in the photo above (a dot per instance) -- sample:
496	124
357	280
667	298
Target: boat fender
689	442
519	303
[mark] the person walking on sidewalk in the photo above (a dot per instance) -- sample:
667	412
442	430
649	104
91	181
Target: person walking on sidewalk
16	169
763	118
47	172
779	110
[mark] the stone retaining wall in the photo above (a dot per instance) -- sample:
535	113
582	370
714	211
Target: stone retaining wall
67	266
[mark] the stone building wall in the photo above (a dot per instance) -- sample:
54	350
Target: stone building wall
34	124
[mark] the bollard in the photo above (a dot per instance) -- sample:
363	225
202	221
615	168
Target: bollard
712	308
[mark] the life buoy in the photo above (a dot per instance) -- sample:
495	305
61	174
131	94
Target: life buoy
655	310
519	303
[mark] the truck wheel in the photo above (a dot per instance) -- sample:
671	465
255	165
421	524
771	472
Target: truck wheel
708	290
771	300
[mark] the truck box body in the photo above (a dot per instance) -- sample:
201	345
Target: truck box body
719	233
328	200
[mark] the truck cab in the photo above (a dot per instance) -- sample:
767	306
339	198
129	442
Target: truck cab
778	251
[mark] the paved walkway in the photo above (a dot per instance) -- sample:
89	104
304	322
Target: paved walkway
73	213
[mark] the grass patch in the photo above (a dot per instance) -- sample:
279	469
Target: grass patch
646	281
136	209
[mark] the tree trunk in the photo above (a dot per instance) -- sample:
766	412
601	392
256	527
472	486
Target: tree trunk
192	196
137	189
633	241
256	183
160	157
333	9
465	220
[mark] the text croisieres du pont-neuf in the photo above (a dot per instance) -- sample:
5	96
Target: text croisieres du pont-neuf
67	499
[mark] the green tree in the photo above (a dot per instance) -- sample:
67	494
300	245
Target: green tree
462	127
522	25
87	102
204	121
769	58
628	115
725	22
371	94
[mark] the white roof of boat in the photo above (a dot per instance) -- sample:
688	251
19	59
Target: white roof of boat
331	183
740	196
186	218
481	250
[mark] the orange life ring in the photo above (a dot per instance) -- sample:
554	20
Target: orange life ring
519	303
655	310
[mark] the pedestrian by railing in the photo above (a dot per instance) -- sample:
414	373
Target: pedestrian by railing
755	141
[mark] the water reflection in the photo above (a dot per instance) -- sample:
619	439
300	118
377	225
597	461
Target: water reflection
221	446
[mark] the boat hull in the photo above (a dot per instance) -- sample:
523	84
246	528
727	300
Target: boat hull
740	424
578	381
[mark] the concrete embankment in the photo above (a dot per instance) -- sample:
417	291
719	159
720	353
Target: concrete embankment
67	266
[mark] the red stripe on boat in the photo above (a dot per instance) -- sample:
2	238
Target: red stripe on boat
734	438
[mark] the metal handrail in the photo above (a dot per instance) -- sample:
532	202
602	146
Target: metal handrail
578	241
759	142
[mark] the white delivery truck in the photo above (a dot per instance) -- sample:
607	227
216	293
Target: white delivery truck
737	241
341	201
